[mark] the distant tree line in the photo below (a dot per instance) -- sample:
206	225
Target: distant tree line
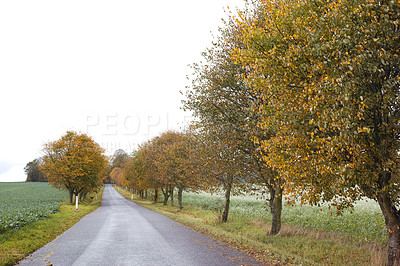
33	172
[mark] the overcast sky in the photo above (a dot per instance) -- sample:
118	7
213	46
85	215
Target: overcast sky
112	69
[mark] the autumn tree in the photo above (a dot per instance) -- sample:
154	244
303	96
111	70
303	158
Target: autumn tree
119	158
221	165
140	170
163	167
333	81
183	163
164	163
173	162
116	176
138	174
33	172
73	162
105	174
224	101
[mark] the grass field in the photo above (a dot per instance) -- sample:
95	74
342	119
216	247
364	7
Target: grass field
30	235
364	222
309	236
23	203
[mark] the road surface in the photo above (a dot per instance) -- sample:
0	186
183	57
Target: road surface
121	232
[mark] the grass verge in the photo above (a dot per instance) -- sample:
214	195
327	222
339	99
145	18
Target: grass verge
16	244
293	245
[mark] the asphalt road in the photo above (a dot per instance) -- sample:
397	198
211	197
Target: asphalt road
121	232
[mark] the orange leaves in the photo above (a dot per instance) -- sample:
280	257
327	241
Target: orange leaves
117	175
165	160
301	69
74	162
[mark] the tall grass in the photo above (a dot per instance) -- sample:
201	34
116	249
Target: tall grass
364	222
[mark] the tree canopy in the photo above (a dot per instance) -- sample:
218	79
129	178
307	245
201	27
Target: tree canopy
164	163
228	106
74	162
310	91
330	70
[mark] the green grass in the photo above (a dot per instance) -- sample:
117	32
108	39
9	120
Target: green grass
23	203
308	236
364	222
17	243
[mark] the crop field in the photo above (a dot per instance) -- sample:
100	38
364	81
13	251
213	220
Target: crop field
23	203
364	222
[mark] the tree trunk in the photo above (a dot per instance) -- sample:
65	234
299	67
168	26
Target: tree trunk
166	196
171	192
180	192
275	205
155	195
228	189
165	192
392	220
71	196
145	194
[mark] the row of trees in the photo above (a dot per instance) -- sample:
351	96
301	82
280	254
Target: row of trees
302	98
177	162
162	164
296	98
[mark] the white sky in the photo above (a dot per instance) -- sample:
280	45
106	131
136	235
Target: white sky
112	69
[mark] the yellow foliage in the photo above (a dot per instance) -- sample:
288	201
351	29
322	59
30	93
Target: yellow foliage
74	162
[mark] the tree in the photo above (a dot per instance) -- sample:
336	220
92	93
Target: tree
116	176
119	158
134	173
105	174
223	101
32	170
165	162
171	153
184	163
140	170
74	162
334	85
221	163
